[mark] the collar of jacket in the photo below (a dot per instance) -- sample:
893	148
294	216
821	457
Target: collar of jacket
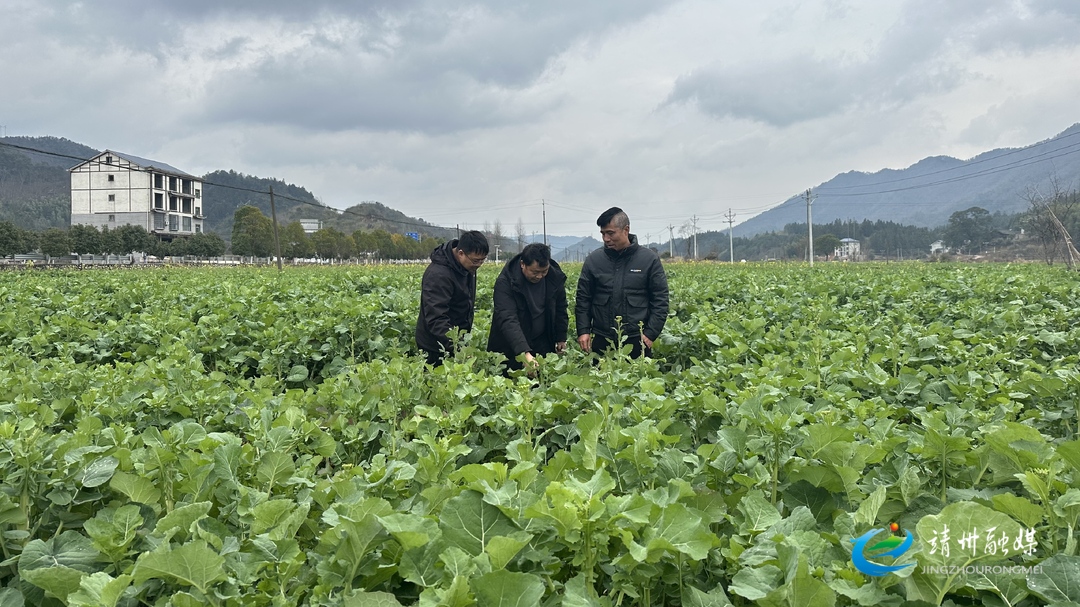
443	255
628	251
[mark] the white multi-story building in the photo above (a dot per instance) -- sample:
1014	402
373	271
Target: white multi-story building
114	189
849	249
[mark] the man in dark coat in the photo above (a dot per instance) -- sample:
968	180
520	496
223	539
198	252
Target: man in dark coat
530	315
448	294
622	279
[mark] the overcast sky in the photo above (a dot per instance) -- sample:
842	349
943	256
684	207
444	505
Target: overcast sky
467	112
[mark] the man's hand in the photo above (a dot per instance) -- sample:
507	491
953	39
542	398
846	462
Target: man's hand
531	364
645	340
585	341
560	347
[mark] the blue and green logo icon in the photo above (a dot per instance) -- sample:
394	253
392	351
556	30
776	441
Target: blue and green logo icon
895	547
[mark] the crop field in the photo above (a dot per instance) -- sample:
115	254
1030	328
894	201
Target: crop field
237	436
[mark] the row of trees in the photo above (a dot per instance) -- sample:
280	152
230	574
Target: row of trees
253	234
89	240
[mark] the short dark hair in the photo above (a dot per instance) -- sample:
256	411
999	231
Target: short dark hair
473	242
613	215
536	252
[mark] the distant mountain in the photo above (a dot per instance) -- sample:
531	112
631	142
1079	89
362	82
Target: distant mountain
577	251
229	190
35	188
929	191
35	194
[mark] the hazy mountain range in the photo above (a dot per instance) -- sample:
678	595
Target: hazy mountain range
35	192
929	191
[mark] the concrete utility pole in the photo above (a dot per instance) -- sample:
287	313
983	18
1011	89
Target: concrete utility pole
731	240
693	222
543	206
671	241
277	241
810	227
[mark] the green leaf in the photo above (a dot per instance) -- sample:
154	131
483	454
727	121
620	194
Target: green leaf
372	599
1010	588
468	522
71	549
10	512
99	590
136	488
1019	508
183	518
754	584
297	373
866	515
9	597
502	549
692	597
99	471
275	468
508	589
1057	580
411	530
680	530
59	581
759	513
193	564
578	593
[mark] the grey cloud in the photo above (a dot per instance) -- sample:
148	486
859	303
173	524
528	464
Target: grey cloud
415	65
914	59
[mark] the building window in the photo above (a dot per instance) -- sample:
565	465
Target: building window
187	206
112	218
112	177
159	222
172	184
198	228
172	203
187	224
198	211
159	182
159	201
198	193
174	223
112	197
108	160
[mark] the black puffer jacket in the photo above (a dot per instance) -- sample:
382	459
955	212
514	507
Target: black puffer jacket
447	300
630	283
511	319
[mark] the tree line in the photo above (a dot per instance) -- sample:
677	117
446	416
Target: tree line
88	240
253	234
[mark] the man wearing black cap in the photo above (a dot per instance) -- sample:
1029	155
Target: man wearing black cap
622	279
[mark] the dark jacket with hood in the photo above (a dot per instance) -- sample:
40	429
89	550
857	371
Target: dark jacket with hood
447	300
512	320
630	283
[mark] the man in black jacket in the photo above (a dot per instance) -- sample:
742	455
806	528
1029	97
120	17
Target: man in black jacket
623	279
448	293
530	313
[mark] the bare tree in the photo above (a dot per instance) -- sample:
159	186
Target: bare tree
1048	217
520	229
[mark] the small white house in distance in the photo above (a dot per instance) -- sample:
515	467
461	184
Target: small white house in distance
849	249
938	246
114	189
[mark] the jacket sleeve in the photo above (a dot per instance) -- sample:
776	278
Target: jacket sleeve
562	316
583	301
438	292
658	301
504	316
